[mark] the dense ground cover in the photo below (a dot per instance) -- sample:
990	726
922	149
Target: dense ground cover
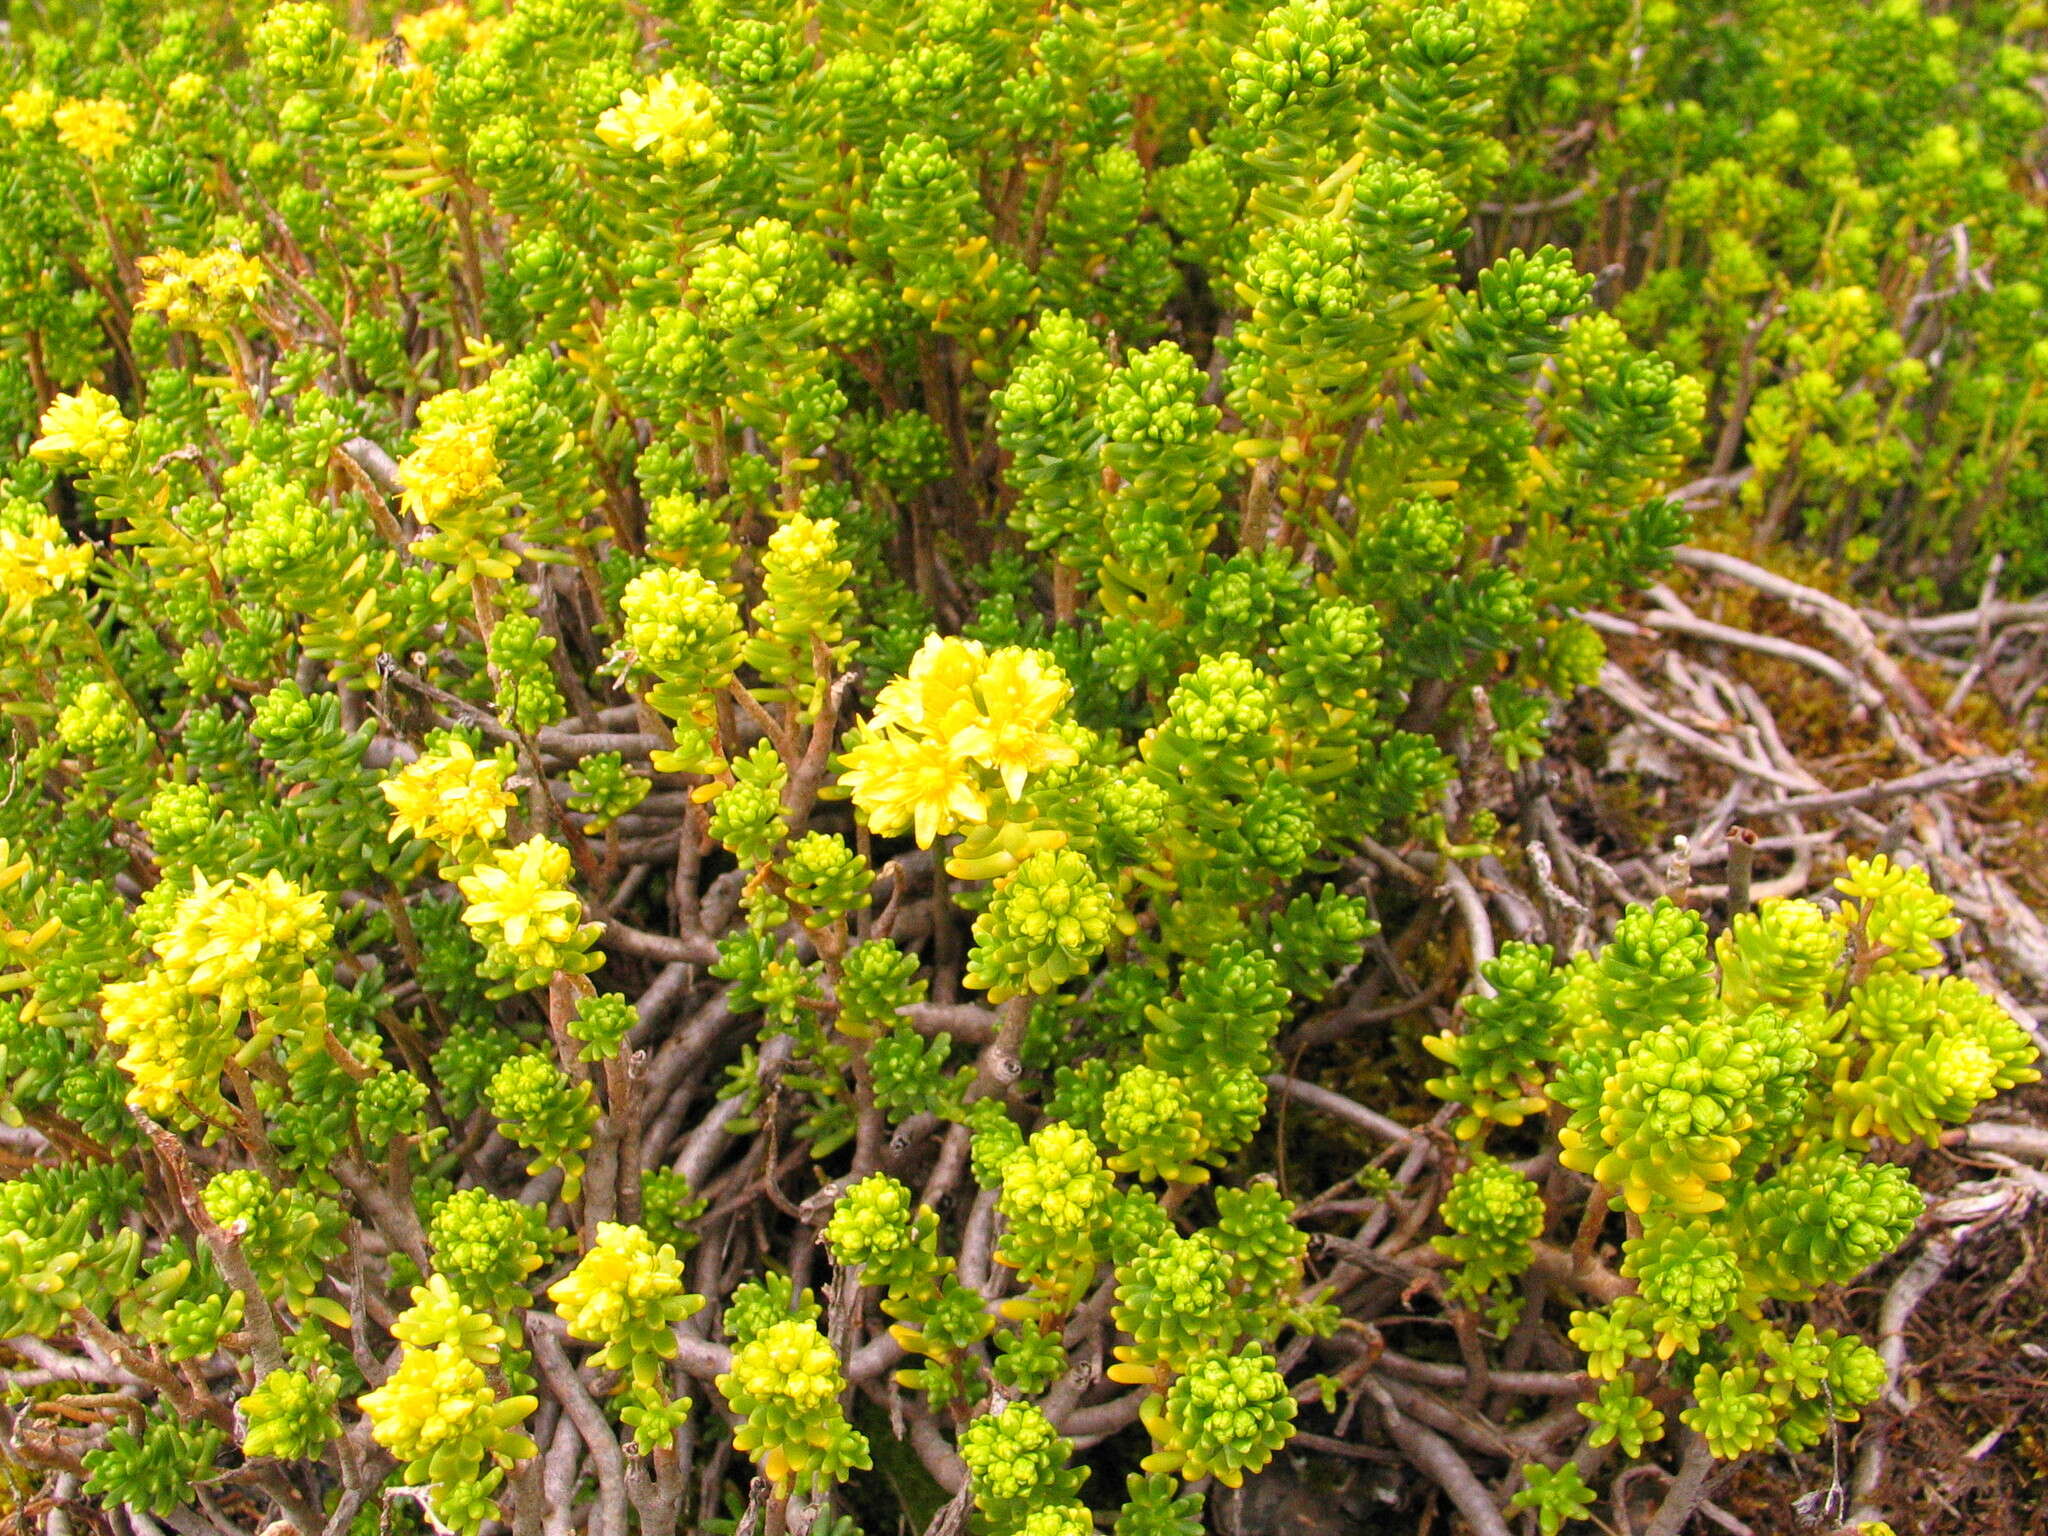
982	767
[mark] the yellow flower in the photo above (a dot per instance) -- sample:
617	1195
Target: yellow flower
1021	696
172	1050
431	26
232	940
450	797
591	1298
522	894
438	1317
678	119
240	944
29	108
628	1295
787	1362
454	460
451	483
924	783
95	129
200	293
88	425
39	560
1021	687
997	710
936	694
440	1398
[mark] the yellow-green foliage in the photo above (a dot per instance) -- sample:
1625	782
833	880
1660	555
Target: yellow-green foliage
926	546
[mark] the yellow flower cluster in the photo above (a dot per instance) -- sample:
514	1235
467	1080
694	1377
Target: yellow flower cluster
451	483
676	119
88	425
521	895
623	1267
451	797
29	108
38	560
437	1412
232	947
173	1050
789	1361
95	129
429	1400
438	1317
520	906
454	460
202	293
959	717
231	941
628	1295
523	912
435	24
